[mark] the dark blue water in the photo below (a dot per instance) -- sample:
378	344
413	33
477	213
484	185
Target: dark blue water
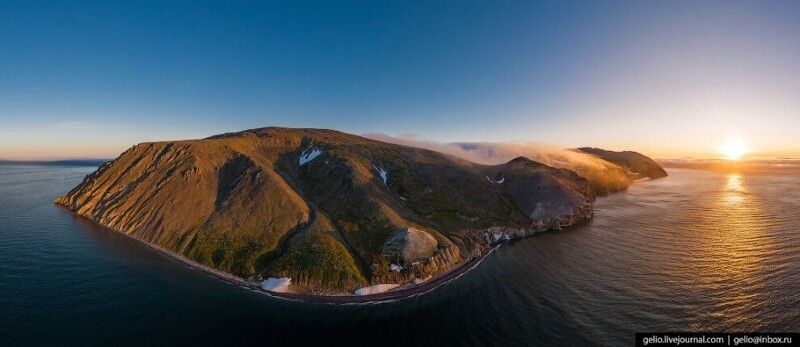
696	251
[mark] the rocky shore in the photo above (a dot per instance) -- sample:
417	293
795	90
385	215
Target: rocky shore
440	270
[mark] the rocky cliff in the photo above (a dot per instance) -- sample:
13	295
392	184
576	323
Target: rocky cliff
332	211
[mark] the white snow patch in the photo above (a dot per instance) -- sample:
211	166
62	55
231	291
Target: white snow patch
376	289
280	285
382	172
395	267
309	156
402	198
421	280
498	236
489	179
501	180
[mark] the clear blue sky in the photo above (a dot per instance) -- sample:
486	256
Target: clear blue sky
89	79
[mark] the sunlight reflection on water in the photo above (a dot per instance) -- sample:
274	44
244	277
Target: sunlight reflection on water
695	251
735	248
734	189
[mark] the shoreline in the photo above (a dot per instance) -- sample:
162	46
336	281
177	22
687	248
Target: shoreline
404	291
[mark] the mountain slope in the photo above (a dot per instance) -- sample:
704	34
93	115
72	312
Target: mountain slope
321	206
635	164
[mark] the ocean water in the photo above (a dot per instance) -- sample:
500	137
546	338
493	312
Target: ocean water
699	250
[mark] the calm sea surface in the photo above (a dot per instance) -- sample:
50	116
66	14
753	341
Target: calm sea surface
698	250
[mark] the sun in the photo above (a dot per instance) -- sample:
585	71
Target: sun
734	149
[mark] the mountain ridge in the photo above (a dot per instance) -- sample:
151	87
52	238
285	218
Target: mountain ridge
319	206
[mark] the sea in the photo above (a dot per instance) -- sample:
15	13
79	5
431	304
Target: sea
701	250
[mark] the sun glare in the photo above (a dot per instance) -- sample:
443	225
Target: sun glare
734	149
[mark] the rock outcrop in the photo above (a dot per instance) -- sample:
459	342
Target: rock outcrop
410	245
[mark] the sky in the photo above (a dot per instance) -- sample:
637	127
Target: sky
85	79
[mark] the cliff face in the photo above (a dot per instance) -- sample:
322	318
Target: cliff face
320	206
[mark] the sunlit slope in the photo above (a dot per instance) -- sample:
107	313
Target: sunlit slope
318	205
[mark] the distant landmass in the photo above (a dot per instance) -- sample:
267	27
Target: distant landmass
310	212
634	163
65	162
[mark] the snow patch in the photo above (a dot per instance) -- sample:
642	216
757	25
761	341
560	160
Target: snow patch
280	285
309	156
402	198
421	280
395	267
501	180
376	289
382	172
489	179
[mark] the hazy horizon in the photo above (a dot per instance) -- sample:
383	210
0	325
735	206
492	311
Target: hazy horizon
668	80
413	140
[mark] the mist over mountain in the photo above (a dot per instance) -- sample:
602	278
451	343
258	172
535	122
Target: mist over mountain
607	171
